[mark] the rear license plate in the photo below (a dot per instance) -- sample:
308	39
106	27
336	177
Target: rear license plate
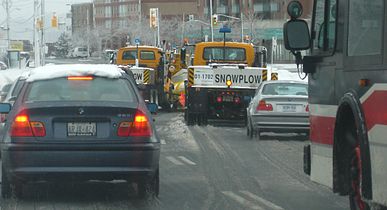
81	129
288	108
227	98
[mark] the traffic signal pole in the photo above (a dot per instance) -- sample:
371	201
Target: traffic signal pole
211	22
42	47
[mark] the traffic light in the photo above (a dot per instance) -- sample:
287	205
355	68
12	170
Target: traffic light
39	24
215	20
54	21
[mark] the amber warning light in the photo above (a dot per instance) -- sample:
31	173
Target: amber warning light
80	78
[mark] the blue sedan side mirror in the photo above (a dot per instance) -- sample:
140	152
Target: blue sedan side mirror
5	108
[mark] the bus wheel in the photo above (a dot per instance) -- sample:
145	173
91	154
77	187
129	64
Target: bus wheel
355	166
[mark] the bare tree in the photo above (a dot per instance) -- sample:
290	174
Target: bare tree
253	20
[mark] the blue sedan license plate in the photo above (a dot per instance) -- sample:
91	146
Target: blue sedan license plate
81	129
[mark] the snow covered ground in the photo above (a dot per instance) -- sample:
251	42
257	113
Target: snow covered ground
286	71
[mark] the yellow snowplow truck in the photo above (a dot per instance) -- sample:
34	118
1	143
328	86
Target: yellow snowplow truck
146	63
222	81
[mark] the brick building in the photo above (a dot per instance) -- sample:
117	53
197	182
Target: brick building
82	16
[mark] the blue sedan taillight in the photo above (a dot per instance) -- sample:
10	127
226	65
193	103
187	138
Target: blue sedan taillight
22	127
140	127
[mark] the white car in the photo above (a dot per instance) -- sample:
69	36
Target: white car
3	66
79	52
279	106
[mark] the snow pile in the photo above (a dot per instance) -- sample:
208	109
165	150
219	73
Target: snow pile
10	75
287	72
57	71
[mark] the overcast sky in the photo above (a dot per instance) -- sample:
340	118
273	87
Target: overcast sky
21	16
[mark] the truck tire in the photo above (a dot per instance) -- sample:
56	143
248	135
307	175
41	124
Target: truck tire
189	118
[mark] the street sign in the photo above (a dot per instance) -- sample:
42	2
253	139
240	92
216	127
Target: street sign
137	41
225	29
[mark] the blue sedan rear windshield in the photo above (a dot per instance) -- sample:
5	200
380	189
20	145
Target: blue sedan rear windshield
97	89
285	89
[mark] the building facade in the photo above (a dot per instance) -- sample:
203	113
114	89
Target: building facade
265	9
82	18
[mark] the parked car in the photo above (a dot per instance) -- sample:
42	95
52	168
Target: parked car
79	52
279	106
3	66
4	91
88	122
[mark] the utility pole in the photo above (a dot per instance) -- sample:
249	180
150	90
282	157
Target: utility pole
8	38
158	26
242	26
88	32
182	34
212	25
36	42
139	11
42	46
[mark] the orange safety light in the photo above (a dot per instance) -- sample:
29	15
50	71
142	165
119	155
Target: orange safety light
80	78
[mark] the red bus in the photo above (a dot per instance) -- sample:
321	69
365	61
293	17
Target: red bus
347	76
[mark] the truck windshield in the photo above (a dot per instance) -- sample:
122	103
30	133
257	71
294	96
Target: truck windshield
129	55
230	53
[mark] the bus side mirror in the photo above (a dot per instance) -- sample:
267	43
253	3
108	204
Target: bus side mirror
296	35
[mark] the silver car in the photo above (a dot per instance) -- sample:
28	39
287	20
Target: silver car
279	106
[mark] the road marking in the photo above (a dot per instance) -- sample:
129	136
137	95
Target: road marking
242	201
162	141
186	160
261	200
174	160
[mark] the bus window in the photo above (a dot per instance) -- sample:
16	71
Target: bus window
326	32
365	27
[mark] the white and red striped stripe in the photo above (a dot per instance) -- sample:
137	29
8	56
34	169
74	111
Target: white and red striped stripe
322	122
374	104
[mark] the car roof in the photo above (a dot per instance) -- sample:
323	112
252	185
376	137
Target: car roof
57	71
285	81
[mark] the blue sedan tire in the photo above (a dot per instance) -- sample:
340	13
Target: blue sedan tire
149	188
6	190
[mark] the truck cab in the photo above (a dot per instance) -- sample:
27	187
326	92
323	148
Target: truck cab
223	52
148	56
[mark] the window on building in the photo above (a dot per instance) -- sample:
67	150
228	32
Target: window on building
108	24
235	7
108	11
222	6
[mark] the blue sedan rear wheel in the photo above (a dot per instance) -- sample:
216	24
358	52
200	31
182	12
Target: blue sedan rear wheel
6	190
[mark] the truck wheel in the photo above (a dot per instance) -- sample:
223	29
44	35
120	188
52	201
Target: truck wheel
189	118
6	190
